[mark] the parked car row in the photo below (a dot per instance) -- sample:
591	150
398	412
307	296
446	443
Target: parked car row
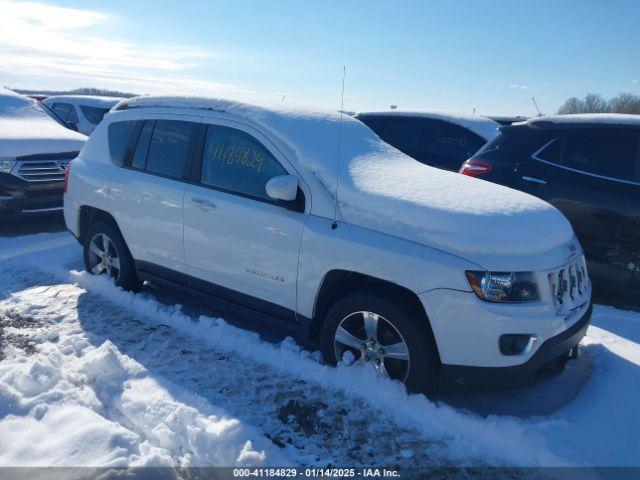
422	273
253	206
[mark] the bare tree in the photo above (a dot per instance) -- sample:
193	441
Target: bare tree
593	103
625	103
573	105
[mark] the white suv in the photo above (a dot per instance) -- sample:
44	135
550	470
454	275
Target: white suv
308	221
80	112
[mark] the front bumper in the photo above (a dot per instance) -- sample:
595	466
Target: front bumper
554	351
19	197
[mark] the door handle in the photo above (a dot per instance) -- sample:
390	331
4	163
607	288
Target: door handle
203	204
537	181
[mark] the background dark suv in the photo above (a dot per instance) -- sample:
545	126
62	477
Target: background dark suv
437	139
588	166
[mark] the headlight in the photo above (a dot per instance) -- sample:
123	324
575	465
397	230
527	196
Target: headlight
504	287
6	165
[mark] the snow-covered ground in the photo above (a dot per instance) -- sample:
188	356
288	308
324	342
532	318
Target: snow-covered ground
94	376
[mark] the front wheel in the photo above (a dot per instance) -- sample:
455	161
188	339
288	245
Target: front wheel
106	253
365	329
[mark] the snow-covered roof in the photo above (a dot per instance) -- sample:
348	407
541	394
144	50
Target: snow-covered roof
26	129
482	126
91	100
383	189
586	118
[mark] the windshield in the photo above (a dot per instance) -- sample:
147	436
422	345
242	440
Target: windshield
52	114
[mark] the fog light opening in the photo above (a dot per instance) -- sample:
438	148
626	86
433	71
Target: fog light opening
516	343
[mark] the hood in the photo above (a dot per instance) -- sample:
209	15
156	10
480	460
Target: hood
491	225
25	129
32	135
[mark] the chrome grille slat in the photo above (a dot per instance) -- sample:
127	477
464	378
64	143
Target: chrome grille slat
41	170
570	285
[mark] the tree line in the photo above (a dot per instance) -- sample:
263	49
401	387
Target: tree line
78	91
594	103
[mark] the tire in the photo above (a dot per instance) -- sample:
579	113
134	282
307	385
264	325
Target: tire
120	265
398	325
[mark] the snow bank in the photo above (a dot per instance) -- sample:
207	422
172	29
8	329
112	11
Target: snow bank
73	403
26	129
383	189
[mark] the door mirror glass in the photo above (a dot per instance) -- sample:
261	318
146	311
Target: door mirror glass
283	188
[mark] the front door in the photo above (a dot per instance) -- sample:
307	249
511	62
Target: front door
240	244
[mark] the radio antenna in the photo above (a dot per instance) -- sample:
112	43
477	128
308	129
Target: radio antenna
334	225
535	104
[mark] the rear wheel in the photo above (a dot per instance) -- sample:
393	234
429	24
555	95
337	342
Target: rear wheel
106	253
365	329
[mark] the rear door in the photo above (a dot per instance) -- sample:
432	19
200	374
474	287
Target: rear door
148	193
590	176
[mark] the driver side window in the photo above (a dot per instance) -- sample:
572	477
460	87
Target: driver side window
236	162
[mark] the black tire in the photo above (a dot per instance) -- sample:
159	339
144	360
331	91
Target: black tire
423	367
126	276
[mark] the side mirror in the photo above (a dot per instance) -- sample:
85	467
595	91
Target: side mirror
283	188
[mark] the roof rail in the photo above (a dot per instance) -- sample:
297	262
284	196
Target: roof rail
126	106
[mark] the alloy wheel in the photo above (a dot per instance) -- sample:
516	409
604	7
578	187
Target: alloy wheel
373	339
103	256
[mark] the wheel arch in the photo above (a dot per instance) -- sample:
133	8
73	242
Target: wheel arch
90	215
339	283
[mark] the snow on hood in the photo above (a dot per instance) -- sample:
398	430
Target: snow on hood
26	129
382	189
480	125
448	210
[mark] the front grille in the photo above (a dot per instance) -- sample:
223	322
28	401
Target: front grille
41	170
570	285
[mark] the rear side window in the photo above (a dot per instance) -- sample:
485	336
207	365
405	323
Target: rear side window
552	151
66	112
119	134
403	134
610	155
449	141
93	114
375	123
169	147
235	161
139	160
